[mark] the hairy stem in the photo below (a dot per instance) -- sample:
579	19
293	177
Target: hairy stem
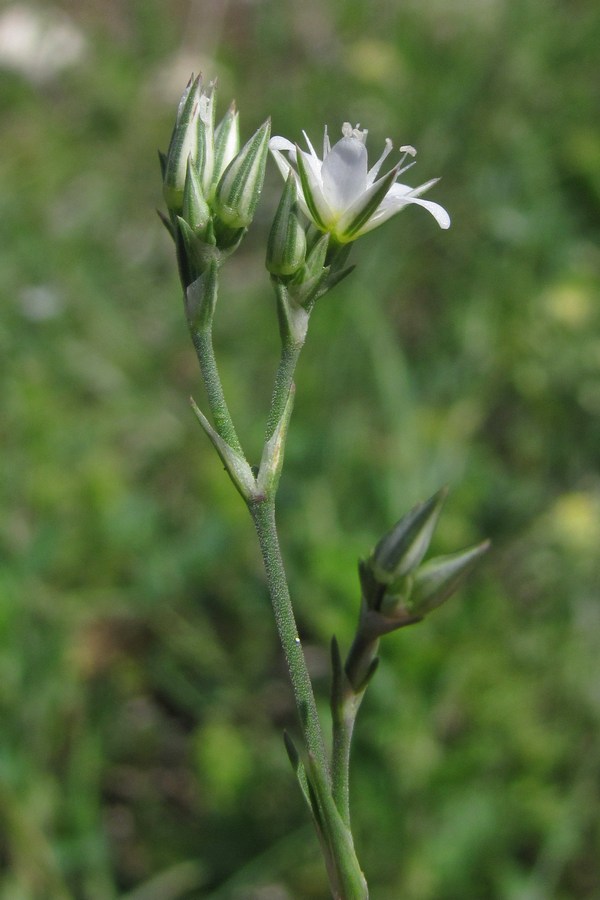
348	689
343	726
203	343
200	300
283	382
263	514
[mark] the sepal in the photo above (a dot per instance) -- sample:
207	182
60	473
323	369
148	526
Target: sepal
166	222
196	211
308	191
194	253
335	277
401	550
438	579
162	159
359	213
312	279
286	245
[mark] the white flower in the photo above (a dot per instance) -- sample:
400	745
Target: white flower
340	195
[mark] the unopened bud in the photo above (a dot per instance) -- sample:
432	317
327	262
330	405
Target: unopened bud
439	578
183	146
286	246
402	549
241	183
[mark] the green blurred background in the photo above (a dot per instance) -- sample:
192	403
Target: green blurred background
142	692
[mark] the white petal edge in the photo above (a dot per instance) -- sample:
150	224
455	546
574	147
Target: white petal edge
397	198
281	143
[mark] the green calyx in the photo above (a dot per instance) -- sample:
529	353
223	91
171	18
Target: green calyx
286	246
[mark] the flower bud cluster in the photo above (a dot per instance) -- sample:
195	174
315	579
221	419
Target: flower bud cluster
210	185
397	587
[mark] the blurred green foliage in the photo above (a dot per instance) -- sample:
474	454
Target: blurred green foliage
142	693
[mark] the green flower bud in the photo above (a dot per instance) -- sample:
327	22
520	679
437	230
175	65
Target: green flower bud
227	143
241	183
402	549
195	208
439	578
286	245
183	145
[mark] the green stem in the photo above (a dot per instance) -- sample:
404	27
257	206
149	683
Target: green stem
343	726
361	658
293	325
200	301
283	382
203	343
263	514
345	702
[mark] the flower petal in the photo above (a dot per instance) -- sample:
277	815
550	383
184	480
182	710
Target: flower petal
280	143
416	192
399	196
438	212
344	173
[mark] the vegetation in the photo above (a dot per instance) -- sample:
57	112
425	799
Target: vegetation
142	693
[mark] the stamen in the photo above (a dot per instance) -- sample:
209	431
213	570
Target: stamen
405	168
360	135
347	129
326	143
407	150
